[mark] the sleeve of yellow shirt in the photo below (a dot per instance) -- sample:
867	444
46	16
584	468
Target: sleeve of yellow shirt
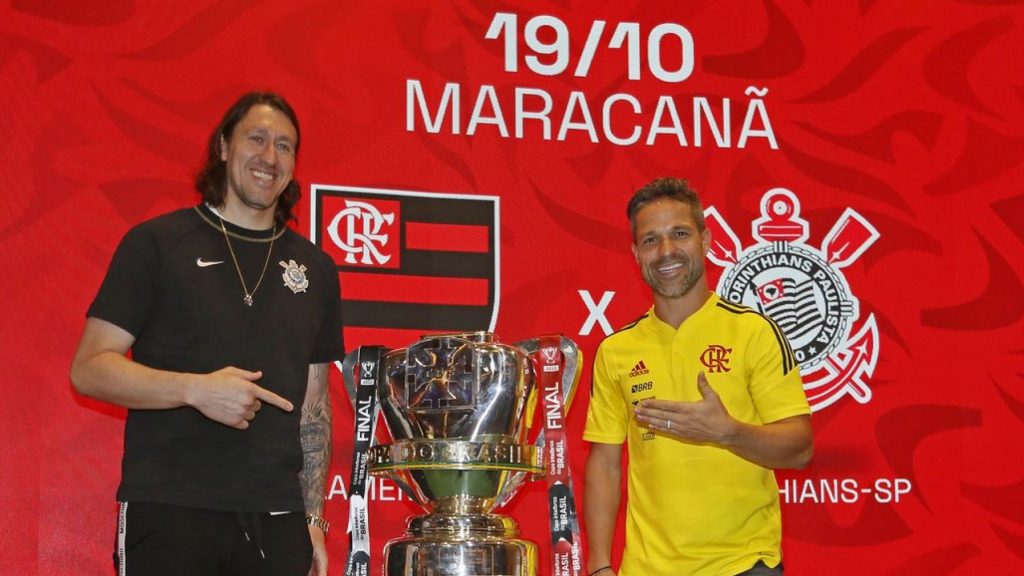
608	412
775	385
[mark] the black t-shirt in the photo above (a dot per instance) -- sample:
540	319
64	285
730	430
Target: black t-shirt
174	286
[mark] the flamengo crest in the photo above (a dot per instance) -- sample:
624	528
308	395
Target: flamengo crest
803	289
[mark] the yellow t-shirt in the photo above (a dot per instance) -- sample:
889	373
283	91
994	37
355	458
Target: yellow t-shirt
696	509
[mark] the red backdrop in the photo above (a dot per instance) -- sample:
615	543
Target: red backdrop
896	127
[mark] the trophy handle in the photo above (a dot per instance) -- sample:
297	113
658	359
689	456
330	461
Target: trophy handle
570	380
347	367
573	365
570	372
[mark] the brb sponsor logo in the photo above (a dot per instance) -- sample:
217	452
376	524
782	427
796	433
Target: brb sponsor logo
641	387
803	289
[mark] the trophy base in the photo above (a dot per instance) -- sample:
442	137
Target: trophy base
461	545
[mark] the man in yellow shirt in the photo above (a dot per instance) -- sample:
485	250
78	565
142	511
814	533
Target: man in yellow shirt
707	396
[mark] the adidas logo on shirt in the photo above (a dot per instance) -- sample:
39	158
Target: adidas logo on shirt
639	370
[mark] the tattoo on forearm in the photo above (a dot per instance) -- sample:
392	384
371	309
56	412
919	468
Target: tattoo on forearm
315	436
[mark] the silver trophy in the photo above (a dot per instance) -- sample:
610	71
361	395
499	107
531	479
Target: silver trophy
457	410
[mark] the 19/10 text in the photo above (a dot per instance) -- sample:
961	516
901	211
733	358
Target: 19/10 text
553	57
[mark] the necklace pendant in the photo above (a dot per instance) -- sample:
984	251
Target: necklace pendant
245	290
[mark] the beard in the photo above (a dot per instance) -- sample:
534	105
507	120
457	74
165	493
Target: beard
251	194
255	201
674	287
255	198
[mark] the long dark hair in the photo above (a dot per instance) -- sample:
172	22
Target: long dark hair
211	181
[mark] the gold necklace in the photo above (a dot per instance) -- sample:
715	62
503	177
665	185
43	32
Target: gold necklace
248	295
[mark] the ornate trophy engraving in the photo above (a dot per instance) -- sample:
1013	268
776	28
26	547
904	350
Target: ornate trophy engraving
457	410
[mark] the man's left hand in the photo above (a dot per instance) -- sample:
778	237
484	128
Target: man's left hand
703	422
319	566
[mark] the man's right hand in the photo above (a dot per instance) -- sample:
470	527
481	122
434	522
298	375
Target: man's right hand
232	397
101	370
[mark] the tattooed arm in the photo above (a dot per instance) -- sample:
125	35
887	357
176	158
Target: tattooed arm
315	434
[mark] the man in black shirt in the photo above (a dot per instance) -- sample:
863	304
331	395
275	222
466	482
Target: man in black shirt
232	319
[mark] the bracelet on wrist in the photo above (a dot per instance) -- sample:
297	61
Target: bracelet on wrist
318	521
601	569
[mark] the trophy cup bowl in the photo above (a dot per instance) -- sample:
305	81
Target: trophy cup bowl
457	409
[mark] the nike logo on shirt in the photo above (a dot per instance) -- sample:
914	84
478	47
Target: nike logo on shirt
204	263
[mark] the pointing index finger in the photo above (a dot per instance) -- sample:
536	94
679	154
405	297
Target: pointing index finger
273	399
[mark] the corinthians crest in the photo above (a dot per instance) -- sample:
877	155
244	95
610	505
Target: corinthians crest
804	291
294	276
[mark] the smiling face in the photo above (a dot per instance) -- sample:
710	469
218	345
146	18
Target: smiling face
669	248
259	159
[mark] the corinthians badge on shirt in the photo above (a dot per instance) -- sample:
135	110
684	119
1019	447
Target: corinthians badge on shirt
294	276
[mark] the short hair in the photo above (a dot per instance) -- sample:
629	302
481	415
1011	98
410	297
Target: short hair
672	188
211	181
